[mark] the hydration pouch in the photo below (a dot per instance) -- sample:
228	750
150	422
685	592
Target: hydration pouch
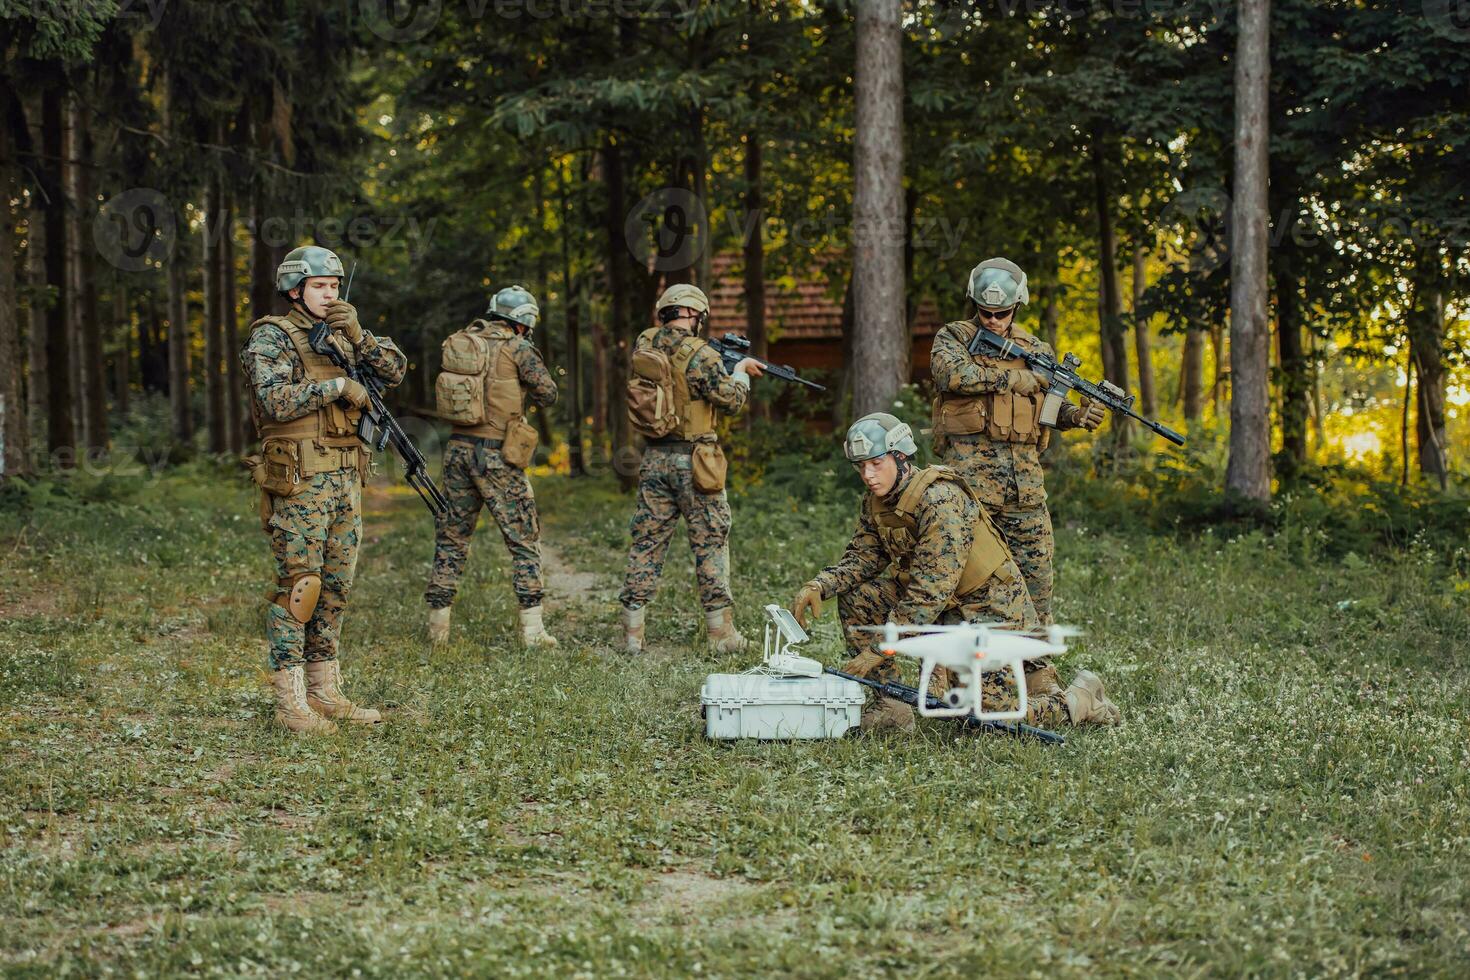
519	447
708	467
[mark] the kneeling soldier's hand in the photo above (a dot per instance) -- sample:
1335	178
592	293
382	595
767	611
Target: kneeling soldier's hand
1090	417
342	316
354	392
808	604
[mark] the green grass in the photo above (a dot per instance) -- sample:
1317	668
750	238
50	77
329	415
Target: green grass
1287	796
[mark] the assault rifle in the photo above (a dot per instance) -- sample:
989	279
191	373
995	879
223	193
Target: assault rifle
377	427
910	696
734	348
1062	378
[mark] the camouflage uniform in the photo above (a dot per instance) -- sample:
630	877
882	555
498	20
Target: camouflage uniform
475	476
666	491
1003	469
315	530
874	585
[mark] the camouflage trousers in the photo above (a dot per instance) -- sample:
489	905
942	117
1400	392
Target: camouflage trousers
666	493
1029	536
1003	599
476	476
314	532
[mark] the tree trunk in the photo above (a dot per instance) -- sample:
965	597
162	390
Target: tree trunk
1426	351
576	464
755	261
1110	298
1293	362
1051	313
215	420
235	414
122	358
38	387
880	342
262	261
842	413
178	345
60	431
93	375
14	435
1192	371
1248	473
71	202
1143	336
622	442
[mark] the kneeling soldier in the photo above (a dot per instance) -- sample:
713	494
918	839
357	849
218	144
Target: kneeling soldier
310	472
925	551
490	367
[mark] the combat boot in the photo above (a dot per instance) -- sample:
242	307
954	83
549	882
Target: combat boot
1087	704
723	637
439	625
292	709
633	629
324	695
533	633
887	713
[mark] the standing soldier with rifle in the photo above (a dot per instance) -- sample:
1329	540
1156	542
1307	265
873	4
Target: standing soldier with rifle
926	551
988	421
489	369
677	387
310	471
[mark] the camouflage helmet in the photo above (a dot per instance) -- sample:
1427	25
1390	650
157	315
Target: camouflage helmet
873	435
300	264
684	294
515	304
998	284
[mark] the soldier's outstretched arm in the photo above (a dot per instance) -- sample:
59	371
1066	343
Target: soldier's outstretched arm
708	380
269	361
946	535
864	559
384	357
956	372
537	381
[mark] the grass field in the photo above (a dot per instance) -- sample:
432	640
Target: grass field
1286	797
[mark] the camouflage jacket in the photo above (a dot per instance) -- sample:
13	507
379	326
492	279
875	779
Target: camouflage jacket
1001	473
706	376
946	534
279	383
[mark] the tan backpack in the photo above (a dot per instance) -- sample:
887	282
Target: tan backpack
468	390
655	405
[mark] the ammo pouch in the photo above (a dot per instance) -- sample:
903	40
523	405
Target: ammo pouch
519	447
708	467
277	470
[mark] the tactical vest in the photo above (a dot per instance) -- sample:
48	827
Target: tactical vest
1002	416
697	417
325	440
495	380
898	529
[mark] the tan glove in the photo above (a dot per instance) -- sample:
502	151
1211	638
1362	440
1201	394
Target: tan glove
866	663
354	392
342	317
1024	382
1089	416
808	604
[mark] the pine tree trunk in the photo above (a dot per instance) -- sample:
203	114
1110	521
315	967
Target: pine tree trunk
1426	350
72	204
38	382
93	373
14	435
880	342
1293	361
212	323
1248	473
262	261
60	430
122	358
1110	297
622	442
1192	370
178	346
576	463
755	261
235	421
1143	337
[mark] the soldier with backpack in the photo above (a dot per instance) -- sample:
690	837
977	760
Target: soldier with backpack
676	391
489	370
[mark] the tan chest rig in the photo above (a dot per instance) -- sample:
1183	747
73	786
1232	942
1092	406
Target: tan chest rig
323	441
898	529
504	396
999	416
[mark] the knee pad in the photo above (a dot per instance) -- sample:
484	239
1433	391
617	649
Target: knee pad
299	595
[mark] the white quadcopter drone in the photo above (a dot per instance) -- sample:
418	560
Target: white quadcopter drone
972	650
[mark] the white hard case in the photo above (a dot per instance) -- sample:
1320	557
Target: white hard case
762	706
